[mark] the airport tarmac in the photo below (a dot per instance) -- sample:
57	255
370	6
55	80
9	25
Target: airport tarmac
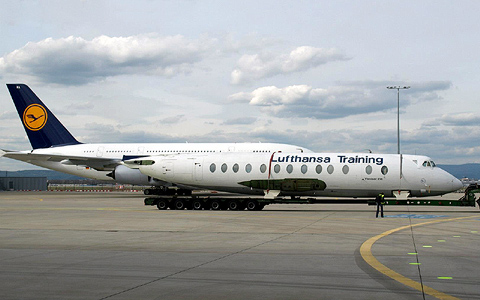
71	245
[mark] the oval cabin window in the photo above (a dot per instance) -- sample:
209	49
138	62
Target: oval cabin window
368	170
289	169
330	169
304	169
276	168
384	170
263	168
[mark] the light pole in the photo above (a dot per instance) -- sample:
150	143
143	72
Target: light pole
398	88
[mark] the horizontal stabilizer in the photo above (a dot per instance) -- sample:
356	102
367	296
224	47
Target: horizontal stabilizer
97	163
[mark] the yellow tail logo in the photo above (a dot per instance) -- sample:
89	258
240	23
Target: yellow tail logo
35	117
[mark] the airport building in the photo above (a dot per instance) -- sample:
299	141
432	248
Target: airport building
23	183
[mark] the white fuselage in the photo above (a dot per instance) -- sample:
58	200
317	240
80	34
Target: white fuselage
336	174
86	160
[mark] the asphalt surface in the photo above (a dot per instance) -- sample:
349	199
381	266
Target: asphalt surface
71	245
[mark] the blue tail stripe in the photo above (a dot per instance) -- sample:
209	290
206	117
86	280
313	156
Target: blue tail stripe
43	129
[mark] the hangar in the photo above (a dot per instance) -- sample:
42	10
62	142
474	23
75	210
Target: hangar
23	183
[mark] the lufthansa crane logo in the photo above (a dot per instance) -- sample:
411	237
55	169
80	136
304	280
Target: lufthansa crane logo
35	117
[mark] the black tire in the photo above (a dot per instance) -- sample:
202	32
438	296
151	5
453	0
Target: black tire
233	205
252	205
179	204
162	204
216	205
197	205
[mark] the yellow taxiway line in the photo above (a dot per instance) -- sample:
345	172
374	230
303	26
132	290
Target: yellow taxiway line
366	252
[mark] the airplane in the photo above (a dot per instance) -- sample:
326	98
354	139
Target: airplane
272	175
55	148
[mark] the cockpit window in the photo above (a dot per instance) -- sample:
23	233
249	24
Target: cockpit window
429	163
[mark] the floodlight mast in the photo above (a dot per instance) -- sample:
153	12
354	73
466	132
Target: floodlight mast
398	88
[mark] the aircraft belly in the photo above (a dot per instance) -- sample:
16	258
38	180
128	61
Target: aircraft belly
73	170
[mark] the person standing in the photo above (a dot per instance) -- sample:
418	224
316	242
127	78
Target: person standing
380	201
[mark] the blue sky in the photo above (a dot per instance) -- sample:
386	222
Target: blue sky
312	73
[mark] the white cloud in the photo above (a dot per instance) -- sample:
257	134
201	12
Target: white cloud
333	102
172	120
8	115
256	66
460	119
74	60
240	121
103	128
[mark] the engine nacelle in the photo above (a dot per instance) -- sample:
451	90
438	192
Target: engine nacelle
125	175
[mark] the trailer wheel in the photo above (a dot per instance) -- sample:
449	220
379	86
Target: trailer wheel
215	205
147	192
162	204
197	205
233	205
179	204
252	205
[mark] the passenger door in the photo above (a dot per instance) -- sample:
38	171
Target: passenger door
198	169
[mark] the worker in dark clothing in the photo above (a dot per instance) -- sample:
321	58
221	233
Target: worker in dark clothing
380	201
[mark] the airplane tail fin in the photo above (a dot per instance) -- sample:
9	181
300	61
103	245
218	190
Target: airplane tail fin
43	129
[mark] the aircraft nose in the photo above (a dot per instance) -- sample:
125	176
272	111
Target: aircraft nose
451	183
456	184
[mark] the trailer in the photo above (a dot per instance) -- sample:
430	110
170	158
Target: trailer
233	202
219	202
226	201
